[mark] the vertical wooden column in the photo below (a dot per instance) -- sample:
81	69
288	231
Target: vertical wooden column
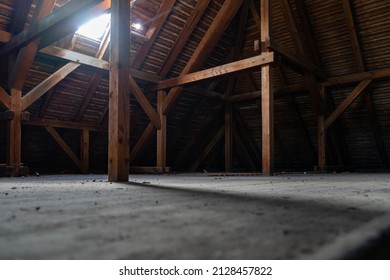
119	99
322	133
228	137
267	99
162	133
85	150
15	134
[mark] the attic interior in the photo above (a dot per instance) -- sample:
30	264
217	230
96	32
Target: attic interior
221	87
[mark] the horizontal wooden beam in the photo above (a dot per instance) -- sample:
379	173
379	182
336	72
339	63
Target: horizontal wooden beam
357	77
216	72
95	62
65	124
346	102
298	60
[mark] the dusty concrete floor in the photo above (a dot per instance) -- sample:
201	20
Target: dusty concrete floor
190	216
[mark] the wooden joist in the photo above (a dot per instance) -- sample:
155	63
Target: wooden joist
64	124
217	72
95	62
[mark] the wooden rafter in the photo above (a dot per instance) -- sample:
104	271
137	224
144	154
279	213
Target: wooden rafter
151	34
184	35
60	18
27	54
20	16
206	45
94	83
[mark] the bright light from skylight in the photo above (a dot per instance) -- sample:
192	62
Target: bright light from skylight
137	26
95	28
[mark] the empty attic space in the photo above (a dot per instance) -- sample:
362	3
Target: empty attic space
201	129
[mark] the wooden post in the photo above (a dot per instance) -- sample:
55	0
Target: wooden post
85	150
267	105
119	99
228	137
162	132
322	133
15	134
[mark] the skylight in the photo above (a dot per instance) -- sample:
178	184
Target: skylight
95	28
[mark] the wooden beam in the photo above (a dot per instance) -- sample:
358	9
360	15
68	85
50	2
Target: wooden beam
162	132
60	17
119	99
228	137
144	103
206	45
322	136
65	124
357	77
217	72
298	60
155	27
184	35
267	94
199	132
355	44
5	99
201	157
347	102
243	151
14	158
20	16
65	147
27	54
376	130
47	84
94	83
85	150
5	36
95	62
142	142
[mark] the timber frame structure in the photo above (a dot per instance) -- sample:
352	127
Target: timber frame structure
216	85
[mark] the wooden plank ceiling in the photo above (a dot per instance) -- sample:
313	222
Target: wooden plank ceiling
196	85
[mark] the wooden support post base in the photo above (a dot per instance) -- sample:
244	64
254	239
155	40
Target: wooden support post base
13	171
